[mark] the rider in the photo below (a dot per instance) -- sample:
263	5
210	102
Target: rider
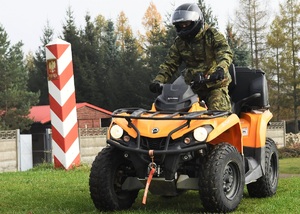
205	51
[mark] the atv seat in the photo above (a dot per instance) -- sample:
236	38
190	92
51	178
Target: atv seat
248	89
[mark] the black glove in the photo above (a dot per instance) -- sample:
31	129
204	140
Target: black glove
155	87
218	74
198	81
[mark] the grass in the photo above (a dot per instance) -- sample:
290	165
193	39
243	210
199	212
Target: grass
48	190
289	166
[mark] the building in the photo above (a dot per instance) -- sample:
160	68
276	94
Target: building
88	116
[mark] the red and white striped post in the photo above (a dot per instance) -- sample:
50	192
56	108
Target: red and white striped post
65	143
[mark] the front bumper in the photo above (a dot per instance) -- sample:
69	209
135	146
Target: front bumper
167	151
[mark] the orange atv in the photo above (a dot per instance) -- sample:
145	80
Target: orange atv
180	145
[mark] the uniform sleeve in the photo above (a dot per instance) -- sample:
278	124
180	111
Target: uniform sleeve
222	50
170	65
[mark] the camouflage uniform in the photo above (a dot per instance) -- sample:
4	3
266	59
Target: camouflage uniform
203	54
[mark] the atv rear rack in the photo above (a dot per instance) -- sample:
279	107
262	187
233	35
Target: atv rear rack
139	113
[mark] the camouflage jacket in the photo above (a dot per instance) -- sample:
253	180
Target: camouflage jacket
207	51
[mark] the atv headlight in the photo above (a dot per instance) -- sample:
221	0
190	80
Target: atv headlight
116	131
200	134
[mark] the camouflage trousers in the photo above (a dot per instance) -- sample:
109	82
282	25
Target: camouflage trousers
216	99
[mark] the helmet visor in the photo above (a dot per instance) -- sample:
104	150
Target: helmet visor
183	15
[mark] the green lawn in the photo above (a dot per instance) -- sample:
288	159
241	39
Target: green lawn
47	190
289	165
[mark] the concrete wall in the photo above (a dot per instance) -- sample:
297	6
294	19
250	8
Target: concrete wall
276	131
8	151
90	146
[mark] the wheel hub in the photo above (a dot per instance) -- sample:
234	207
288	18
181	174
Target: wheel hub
230	181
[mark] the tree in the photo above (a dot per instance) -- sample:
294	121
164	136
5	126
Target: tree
132	72
252	22
290	23
15	99
273	64
241	54
72	35
208	16
111	66
154	39
88	59
282	62
37	67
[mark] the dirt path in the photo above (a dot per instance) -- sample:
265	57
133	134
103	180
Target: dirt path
288	175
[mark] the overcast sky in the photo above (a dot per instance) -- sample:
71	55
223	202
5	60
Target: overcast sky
24	20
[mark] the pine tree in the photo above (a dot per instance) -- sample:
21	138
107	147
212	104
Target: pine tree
88	63
241	54
290	23
154	41
283	63
15	99
132	72
111	65
207	12
72	35
37	70
272	64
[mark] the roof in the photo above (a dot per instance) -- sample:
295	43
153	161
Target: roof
41	114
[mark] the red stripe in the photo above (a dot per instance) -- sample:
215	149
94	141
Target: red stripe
57	163
75	162
62	111
65	143
57	49
64	77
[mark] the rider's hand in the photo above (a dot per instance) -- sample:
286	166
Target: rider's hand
218	74
155	87
197	81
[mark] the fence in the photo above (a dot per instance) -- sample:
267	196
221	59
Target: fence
8	151
91	142
276	131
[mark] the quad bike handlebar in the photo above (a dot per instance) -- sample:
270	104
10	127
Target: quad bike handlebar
200	79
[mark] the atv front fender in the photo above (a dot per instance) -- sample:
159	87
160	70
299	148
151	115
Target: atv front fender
228	130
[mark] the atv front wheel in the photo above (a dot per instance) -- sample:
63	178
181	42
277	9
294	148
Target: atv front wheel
266	185
108	173
222	179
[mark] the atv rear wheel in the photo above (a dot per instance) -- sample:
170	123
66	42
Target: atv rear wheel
108	173
266	185
222	179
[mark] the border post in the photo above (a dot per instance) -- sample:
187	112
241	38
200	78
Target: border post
65	142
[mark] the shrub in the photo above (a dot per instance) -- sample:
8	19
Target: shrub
289	152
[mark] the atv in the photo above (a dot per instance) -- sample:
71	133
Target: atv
180	145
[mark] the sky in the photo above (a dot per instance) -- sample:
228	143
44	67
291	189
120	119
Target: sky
24	20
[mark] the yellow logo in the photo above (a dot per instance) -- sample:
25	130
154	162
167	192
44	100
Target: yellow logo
52	69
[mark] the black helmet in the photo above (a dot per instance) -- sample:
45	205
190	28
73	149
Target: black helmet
185	13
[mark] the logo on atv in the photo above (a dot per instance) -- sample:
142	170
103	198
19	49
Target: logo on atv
173	99
155	130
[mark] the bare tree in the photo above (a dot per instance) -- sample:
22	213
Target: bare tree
251	24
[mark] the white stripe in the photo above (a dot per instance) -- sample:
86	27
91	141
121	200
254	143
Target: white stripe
61	96
64	60
66	159
58	41
49	54
64	127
